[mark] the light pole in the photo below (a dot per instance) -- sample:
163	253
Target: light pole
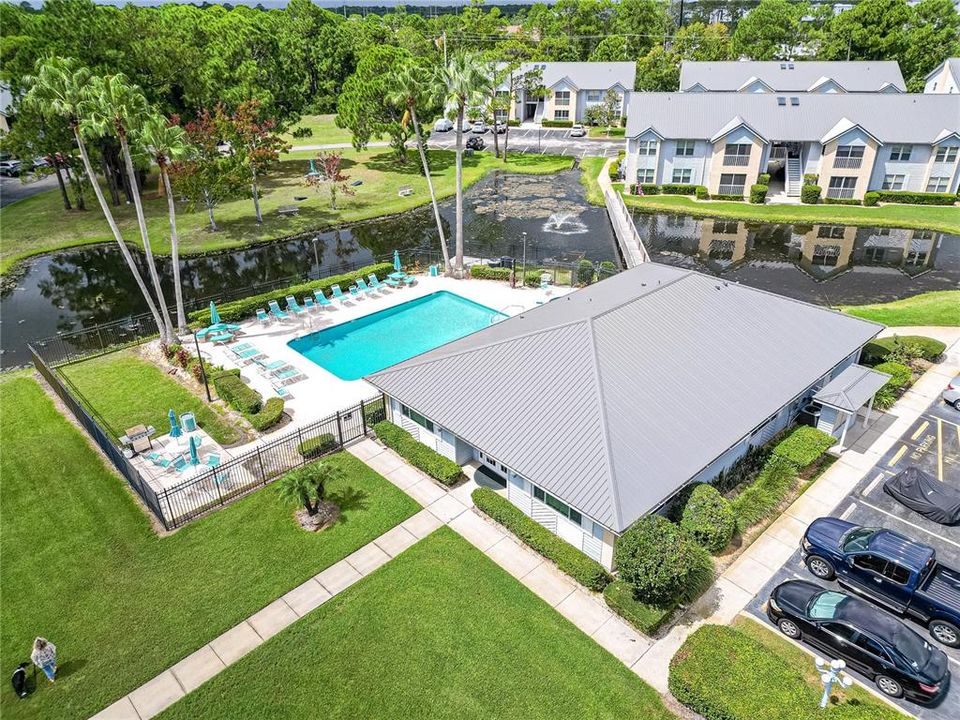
830	673
523	267
316	257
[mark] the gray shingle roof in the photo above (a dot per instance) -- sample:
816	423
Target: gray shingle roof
852	389
615	396
954	66
587	75
908	118
854	76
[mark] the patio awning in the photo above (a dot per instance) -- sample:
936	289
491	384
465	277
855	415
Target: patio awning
851	389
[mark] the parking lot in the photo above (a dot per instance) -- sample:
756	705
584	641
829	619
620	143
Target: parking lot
932	443
540	141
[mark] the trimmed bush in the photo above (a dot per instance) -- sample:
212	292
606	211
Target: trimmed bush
584	570
708	518
900	377
644	617
585	272
557	123
374	412
417	454
614	170
871	198
702	193
317	446
763	179
732	198
915	198
902	348
658	560
237	394
841	201
803	446
650	188
678	189
244	308
485	272
810	178
268	416
513	123
758	193
764	494
810	194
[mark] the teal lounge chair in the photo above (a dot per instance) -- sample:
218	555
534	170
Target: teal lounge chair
410	280
293	306
213	460
276	311
158	460
242	346
362	285
390	282
354	292
263	317
308	304
322	300
338	294
375	282
179	464
273	365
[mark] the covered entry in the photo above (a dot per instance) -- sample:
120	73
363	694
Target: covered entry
844	396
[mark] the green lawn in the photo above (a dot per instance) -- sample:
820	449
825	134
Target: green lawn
39	224
82	567
588	178
325	131
931	308
601	132
921	217
438	632
127	390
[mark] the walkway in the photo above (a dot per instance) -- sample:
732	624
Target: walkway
631	244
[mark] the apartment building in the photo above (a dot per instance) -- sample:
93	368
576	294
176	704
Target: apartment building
802	76
945	79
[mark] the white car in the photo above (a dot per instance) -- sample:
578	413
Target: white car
466	126
951	395
479	127
10	168
443	125
500	128
578	131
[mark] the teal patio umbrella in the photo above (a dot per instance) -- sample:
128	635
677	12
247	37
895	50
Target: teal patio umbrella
214	315
194	458
175	430
396	261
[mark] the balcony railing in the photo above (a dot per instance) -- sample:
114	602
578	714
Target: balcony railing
840	193
851	162
736	159
561	102
730	189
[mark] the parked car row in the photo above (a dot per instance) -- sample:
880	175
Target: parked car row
477	128
13	168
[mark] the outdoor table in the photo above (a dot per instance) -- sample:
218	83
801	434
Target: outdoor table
397	275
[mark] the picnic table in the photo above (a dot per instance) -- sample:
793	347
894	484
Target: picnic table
288	210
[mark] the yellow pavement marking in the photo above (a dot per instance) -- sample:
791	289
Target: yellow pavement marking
895	458
939	449
923	426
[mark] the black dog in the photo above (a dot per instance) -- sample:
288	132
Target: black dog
19	680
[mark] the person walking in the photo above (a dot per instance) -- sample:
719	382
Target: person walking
44	656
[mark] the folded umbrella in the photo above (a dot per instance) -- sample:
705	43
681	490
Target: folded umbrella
175	430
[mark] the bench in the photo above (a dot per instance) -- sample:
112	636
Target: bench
288	210
405	191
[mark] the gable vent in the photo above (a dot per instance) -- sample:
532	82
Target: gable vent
783	66
790	65
781	101
794	101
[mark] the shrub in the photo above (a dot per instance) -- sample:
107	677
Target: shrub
659	560
810	178
650	188
237	394
702	193
763	179
644	617
708	518
902	349
810	194
734	198
170	351
585	272
513	123
557	123
765	493
182	358
573	562
302	132
614	170
803	446
871	198
915	198
317	446
677	189
244	308
268	416
758	194
900	375
841	201
485	272
417	454
374	411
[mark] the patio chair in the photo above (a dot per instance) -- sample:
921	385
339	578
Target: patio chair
158	460
276	311
391	283
293	306
263	317
410	280
308	304
281	391
355	292
322	300
338	294
179	464
220	337
272	365
213	460
293	379
188	421
375	282
362	285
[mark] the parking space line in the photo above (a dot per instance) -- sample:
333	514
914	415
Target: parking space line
939	449
846	513
873	483
923	426
896	458
913	525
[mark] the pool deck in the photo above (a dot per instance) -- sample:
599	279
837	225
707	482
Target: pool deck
322	393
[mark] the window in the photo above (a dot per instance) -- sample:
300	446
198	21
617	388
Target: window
682	175
561	98
870	562
893	182
824	605
848	156
561	114
597	531
645	175
538	493
736	154
594	96
646	147
830	232
782	101
416	417
726	227
840	630
946	154
841	187
938	184
500	115
901	152
558	505
897	573
685	147
503	93
731	184
575	516
871	646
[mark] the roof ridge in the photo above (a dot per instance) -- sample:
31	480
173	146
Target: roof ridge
660	286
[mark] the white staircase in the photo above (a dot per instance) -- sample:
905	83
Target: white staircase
794	177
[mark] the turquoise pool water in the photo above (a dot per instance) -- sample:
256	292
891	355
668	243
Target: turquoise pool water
371	343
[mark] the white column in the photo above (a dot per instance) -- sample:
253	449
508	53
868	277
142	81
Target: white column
866	418
846	424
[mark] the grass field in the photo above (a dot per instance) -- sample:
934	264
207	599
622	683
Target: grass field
325	131
931	308
126	391
39	224
438	632
588	178
601	132
82	567
921	217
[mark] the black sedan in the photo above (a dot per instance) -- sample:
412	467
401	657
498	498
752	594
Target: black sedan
873	643
475	143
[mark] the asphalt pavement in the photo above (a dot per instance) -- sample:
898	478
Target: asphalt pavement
538	141
12	189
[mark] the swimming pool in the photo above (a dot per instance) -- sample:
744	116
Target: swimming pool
370	343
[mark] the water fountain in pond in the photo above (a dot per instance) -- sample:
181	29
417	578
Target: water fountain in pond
565	223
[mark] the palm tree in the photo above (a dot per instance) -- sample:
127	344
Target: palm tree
59	87
113	105
307	485
166	142
412	84
463	76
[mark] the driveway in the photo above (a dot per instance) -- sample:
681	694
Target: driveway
539	141
11	189
931	442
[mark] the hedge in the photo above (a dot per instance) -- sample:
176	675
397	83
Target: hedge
724	196
722	673
237	394
678	189
810	194
650	188
871	198
701	192
810	178
614	171
244	308
573	562
417	454
268	416
584	272
485	272
763	179
915	198
803	446
758	193
644	617
914	346
316	446
708	518
513	123
900	377
841	201
556	123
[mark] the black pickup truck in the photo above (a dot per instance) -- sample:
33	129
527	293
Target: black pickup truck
888	568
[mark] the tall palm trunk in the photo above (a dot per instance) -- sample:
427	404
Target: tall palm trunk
433	196
174	249
506	134
461	108
167	327
256	196
63	187
124	250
